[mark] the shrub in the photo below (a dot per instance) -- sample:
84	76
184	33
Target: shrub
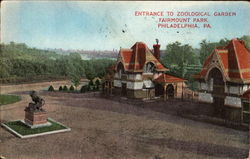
51	88
65	88
97	82
60	88
71	88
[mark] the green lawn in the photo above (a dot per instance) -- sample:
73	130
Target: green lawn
23	129
8	99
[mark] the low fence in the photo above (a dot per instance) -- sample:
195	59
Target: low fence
190	95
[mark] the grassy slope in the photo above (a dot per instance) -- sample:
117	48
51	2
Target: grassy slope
22	129
8	99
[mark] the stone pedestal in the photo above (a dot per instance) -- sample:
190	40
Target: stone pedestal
36	119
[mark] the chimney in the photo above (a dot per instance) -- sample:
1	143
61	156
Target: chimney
157	49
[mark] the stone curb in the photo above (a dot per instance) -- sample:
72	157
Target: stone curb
39	134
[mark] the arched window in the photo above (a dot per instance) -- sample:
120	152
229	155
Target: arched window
120	70
149	68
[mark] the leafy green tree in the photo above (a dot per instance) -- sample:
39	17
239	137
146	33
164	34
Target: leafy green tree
75	79
60	88
178	57
90	72
5	68
246	39
97	83
206	48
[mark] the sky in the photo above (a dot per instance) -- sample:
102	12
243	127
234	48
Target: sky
106	25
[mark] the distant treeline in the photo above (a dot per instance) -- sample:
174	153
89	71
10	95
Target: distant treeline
19	63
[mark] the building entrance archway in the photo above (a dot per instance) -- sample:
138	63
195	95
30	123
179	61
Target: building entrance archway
159	90
217	85
170	91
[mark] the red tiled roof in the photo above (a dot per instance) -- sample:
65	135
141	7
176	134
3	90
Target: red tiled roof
246	95
166	78
234	59
135	58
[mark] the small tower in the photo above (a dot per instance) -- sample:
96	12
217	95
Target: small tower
157	49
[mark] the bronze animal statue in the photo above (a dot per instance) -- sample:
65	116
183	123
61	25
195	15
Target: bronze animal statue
37	103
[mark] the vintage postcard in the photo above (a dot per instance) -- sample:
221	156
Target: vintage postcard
124	80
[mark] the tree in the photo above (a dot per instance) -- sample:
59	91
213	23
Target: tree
97	83
89	71
178	57
5	68
60	88
246	39
51	89
206	48
75	79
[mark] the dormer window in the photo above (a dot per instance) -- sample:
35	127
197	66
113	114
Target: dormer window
149	68
120	70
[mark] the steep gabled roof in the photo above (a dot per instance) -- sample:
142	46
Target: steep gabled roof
234	60
135	58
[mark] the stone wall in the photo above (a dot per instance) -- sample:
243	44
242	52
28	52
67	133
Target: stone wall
136	94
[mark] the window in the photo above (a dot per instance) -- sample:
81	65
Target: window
120	70
149	68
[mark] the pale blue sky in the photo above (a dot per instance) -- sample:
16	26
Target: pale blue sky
99	25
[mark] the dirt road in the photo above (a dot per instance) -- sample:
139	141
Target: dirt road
104	129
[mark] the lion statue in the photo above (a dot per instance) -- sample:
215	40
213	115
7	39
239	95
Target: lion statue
37	103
